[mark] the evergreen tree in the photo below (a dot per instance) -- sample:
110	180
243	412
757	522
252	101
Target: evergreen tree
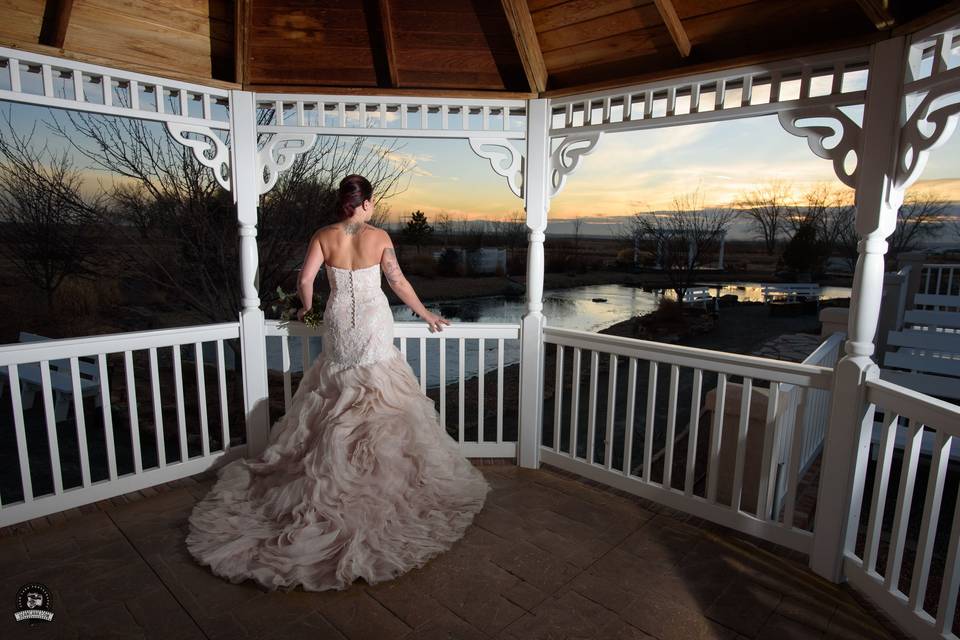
418	230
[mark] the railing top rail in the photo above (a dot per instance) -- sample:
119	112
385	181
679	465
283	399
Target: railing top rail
915	405
833	341
938	265
56	348
718	361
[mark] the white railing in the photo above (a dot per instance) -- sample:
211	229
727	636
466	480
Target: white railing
58	82
939	288
610	450
883	547
837	78
810	407
396	115
129	445
444	363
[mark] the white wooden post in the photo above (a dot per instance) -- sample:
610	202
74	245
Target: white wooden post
536	201
252	341
847	441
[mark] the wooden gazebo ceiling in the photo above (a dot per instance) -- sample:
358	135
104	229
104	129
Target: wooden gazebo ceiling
524	47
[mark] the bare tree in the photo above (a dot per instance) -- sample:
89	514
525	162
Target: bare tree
443	225
919	217
684	237
577	222
769	210
178	226
47	225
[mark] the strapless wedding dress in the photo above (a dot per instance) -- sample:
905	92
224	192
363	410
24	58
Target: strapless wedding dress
359	479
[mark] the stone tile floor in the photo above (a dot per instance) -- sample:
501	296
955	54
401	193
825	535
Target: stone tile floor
549	557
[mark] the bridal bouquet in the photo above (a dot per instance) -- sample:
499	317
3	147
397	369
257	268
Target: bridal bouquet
288	304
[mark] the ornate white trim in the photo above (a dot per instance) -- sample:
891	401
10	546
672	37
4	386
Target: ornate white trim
505	159
915	145
815	134
278	155
210	151
565	158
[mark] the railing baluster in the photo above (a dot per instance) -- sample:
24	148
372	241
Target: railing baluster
716	429
500	390
20	431
50	418
157	407
46	73
881	484
443	382
558	399
305	353
80	420
767	486
898	534
611	410
793	464
222	384
743	427
287	377
403	347
202	398
460	408
693	432
631	409
592	406
481	356
574	402
940	458
671	426
648	425
181	411
132	413
423	364
77	77
107	415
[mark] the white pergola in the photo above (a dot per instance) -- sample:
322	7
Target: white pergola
909	104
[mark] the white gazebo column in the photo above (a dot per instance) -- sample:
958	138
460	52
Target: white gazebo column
252	340
878	197
536	202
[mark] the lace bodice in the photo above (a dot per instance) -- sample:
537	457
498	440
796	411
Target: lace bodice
358	323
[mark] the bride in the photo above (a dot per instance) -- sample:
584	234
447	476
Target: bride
359	479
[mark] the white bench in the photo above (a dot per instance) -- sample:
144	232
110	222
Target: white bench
792	292
927	349
61	382
700	295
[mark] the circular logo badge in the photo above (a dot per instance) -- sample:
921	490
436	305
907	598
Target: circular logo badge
33	604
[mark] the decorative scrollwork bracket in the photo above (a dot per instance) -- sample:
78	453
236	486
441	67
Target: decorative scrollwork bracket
505	159
209	149
279	154
816	134
565	158
926	129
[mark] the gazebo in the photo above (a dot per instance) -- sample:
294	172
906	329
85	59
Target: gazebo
535	86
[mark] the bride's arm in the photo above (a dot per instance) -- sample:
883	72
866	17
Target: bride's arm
311	266
404	290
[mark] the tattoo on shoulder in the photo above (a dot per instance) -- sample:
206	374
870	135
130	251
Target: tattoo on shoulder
391	268
352	228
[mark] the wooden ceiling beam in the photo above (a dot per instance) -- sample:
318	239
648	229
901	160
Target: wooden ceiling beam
56	17
241	40
389	44
878	11
525	37
674	26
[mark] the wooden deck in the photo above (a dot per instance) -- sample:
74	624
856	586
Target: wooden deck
550	556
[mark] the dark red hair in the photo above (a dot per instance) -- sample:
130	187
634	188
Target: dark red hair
354	189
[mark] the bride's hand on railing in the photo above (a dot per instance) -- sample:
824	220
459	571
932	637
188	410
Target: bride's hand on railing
435	322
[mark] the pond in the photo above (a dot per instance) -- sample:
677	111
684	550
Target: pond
588	308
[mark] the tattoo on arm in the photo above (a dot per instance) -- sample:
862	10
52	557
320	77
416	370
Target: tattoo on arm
391	268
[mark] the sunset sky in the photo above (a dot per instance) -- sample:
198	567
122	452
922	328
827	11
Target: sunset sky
645	169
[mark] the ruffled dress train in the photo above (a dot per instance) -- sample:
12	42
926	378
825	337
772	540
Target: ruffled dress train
359	479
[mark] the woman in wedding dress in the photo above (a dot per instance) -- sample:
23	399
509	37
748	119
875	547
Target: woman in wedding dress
359	479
